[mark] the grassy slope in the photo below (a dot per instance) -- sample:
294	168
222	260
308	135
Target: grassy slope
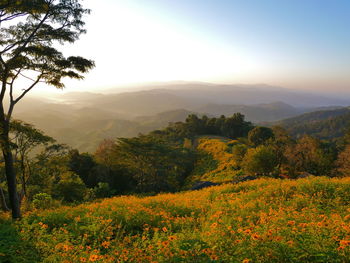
266	220
216	162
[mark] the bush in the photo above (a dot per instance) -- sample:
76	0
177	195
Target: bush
70	188
102	190
42	201
261	161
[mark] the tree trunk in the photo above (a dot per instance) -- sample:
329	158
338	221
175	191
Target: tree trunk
24	187
10	171
3	201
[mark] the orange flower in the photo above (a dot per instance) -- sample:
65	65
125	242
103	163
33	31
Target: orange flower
106	244
255	236
246	260
214	257
93	258
344	243
171	238
165	229
291	223
165	243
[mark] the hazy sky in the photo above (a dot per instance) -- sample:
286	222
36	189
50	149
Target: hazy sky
291	43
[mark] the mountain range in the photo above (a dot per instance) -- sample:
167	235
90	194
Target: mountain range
83	119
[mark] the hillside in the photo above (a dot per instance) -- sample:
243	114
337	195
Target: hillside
265	220
216	162
326	124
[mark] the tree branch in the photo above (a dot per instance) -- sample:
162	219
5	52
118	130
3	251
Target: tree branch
29	38
14	102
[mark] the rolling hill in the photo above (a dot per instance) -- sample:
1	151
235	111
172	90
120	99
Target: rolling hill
325	124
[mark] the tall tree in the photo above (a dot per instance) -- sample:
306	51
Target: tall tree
25	138
30	32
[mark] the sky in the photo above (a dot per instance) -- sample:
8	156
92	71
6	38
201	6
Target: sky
298	44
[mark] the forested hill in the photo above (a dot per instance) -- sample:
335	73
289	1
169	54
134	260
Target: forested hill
325	124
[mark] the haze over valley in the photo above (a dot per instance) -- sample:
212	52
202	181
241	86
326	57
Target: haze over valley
83	119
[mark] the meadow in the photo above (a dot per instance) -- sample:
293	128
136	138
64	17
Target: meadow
265	220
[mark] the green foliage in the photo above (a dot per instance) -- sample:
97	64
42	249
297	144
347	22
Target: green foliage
326	125
13	249
231	127
42	201
238	152
156	165
259	135
82	165
103	190
260	161
70	188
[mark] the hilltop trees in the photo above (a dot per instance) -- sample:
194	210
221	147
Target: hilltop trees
232	127
30	32
259	135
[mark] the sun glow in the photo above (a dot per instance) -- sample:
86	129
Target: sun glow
135	48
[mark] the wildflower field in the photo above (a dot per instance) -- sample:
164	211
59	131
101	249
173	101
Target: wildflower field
266	220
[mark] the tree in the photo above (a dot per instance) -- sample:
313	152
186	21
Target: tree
235	126
24	138
30	32
156	165
83	165
259	135
260	161
308	155
343	164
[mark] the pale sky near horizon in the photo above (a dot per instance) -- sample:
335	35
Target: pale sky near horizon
295	44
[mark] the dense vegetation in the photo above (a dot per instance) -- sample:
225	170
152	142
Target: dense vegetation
218	150
328	125
266	220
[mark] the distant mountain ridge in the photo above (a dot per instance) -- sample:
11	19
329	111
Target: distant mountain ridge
83	119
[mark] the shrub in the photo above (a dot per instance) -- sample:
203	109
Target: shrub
261	161
70	188
42	201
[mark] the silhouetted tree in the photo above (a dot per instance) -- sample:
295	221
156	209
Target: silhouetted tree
29	30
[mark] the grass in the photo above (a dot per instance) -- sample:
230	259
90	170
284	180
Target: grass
266	220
